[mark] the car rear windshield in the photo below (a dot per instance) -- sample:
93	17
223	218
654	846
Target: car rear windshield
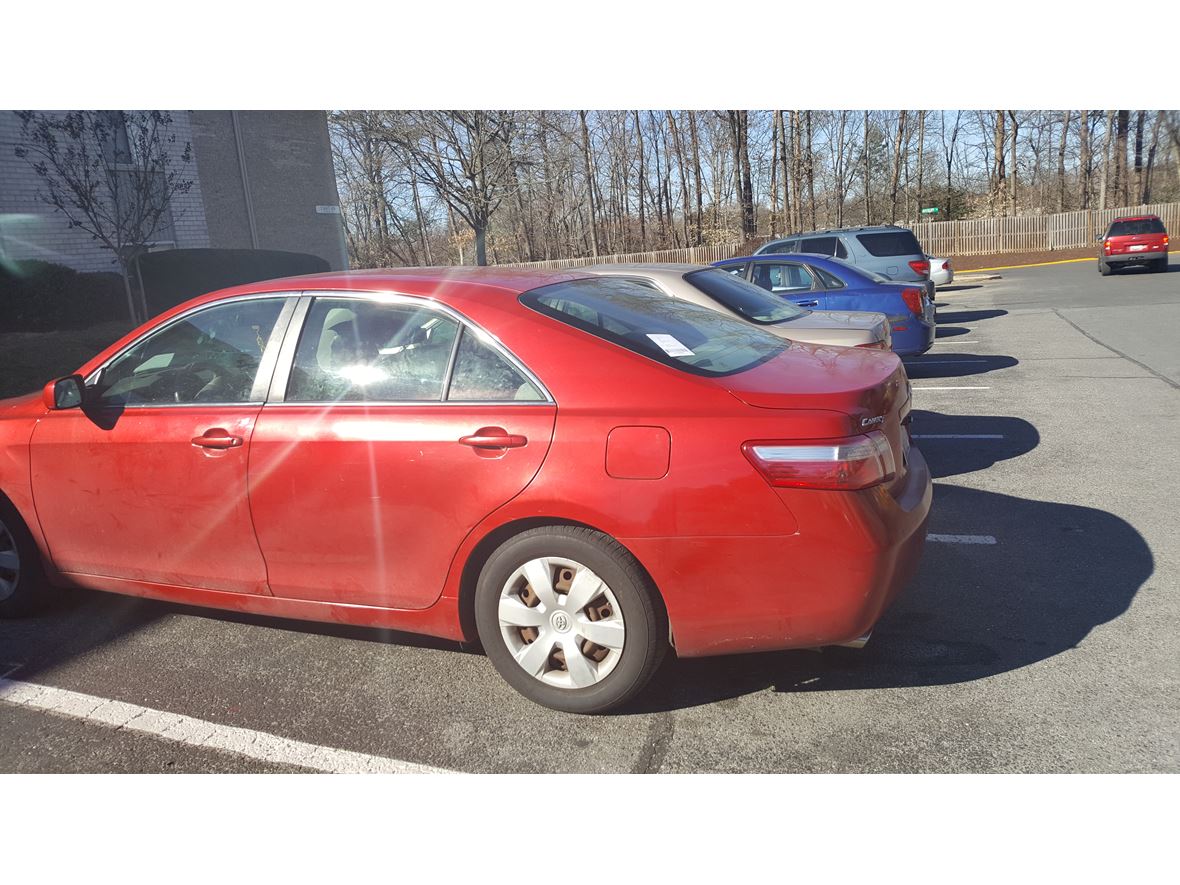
890	243
748	301
1137	226
863	272
676	333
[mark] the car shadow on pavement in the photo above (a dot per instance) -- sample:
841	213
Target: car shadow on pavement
1054	574
954	365
969	316
957	444
955	287
951	331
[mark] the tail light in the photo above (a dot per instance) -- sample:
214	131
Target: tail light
921	267
1106	245
1165	240
913	300
946	265
856	462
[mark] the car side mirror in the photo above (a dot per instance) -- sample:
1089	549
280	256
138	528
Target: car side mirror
64	393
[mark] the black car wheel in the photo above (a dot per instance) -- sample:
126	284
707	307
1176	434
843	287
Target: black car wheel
23	588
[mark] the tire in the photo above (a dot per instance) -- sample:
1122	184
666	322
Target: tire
618	598
1160	265
23	588
1104	268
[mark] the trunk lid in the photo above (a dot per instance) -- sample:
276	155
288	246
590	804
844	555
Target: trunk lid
846	328
868	388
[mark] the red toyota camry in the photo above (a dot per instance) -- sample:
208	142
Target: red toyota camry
578	471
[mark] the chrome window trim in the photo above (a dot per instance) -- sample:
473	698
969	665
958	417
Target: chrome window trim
265	365
278	389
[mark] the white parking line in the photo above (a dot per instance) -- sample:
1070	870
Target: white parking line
955	341
952	388
958	436
962	539
913	364
199	733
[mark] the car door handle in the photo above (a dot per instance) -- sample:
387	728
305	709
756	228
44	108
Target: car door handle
808	303
493	438
217	439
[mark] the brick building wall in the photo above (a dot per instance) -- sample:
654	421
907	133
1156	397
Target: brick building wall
30	228
269	182
271	168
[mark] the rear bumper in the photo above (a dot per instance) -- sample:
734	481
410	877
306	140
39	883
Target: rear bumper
1135	257
917	338
827	584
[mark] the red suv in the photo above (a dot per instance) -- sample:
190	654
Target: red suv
1135	239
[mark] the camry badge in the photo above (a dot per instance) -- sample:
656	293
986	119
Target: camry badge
865	422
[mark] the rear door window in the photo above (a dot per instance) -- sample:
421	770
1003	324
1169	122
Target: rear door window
888	244
820	245
782	247
783	278
364	351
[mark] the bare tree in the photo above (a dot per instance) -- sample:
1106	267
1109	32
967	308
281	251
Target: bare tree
1061	161
464	156
111	174
1085	161
1106	157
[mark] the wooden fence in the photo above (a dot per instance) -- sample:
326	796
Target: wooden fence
973	236
1031	233
691	255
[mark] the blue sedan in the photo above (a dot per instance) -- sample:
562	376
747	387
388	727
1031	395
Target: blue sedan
823	283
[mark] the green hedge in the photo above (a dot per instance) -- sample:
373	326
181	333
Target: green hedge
176	275
39	296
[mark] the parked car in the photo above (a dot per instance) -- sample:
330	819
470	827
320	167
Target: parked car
1131	240
831	284
941	273
888	250
714	288
574	469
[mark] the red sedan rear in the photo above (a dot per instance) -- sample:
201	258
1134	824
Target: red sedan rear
577	471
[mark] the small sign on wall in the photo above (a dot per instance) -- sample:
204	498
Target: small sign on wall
327	210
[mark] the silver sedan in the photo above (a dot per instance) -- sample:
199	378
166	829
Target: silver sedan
715	288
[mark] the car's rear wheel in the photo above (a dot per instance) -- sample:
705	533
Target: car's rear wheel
22	582
1160	265
1104	268
568	618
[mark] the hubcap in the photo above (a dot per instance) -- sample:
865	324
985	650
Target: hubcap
561	622
9	563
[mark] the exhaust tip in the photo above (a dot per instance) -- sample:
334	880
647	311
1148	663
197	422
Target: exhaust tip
859	642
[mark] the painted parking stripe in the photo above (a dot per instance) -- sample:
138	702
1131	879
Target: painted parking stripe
961	539
958	436
914	364
952	388
956	341
200	733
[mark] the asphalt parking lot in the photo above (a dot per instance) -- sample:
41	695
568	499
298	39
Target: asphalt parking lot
1038	636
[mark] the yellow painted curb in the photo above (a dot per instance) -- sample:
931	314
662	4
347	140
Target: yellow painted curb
1038	264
